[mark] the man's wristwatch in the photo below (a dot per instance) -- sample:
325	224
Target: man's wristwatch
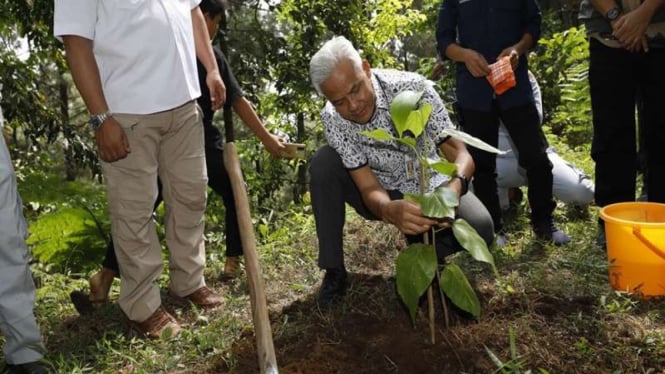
465	182
96	120
613	13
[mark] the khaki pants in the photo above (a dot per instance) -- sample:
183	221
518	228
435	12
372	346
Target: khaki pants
170	144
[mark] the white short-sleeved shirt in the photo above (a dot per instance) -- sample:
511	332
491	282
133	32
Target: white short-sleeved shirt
144	49
390	160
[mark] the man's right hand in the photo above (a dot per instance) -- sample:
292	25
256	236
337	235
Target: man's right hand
476	63
407	216
112	142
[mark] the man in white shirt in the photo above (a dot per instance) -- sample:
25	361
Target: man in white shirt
134	63
23	342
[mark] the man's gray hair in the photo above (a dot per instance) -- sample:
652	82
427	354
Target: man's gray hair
325	60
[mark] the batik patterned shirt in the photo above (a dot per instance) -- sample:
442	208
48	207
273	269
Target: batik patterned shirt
393	163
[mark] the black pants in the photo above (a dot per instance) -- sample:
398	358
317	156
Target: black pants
617	78
523	125
331	186
219	181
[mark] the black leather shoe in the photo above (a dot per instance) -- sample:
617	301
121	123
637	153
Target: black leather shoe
34	367
333	287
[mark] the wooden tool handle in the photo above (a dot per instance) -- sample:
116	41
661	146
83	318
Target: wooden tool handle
265	348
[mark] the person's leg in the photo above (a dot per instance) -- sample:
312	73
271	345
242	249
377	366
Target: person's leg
509	176
641	144
110	261
652	82
570	185
613	106
182	170
23	343
132	189
523	126
101	282
508	173
331	187
484	125
219	181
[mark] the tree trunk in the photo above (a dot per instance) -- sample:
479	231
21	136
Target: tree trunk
67	131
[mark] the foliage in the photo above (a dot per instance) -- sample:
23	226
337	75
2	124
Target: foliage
64	238
68	222
35	89
561	68
516	363
417	264
589	327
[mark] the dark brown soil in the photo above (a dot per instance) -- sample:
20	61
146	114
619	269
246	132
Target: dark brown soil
358	337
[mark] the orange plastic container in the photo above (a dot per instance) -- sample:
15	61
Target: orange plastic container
635	234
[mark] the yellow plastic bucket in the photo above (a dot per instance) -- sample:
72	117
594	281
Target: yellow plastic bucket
635	235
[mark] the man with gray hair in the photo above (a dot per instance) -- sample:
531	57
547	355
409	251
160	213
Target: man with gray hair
373	176
23	342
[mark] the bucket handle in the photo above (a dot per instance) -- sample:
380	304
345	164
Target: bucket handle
637	231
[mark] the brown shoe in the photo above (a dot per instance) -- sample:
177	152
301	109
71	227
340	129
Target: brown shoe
204	297
160	324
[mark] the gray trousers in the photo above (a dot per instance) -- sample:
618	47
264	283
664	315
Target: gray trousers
331	186
23	341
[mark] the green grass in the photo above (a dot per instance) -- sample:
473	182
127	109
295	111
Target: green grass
557	301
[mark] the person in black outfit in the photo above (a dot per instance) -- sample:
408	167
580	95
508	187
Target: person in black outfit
218	178
475	34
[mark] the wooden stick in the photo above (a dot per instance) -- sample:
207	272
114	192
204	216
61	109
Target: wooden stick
430	293
430	308
265	347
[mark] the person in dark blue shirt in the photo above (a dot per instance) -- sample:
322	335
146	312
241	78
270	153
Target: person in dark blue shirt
474	34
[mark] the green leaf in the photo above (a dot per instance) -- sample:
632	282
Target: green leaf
472	141
472	242
417	119
63	234
454	284
442	166
499	364
415	269
439	203
378	134
401	107
413	197
411	142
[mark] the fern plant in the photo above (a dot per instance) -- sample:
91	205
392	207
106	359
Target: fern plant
417	266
